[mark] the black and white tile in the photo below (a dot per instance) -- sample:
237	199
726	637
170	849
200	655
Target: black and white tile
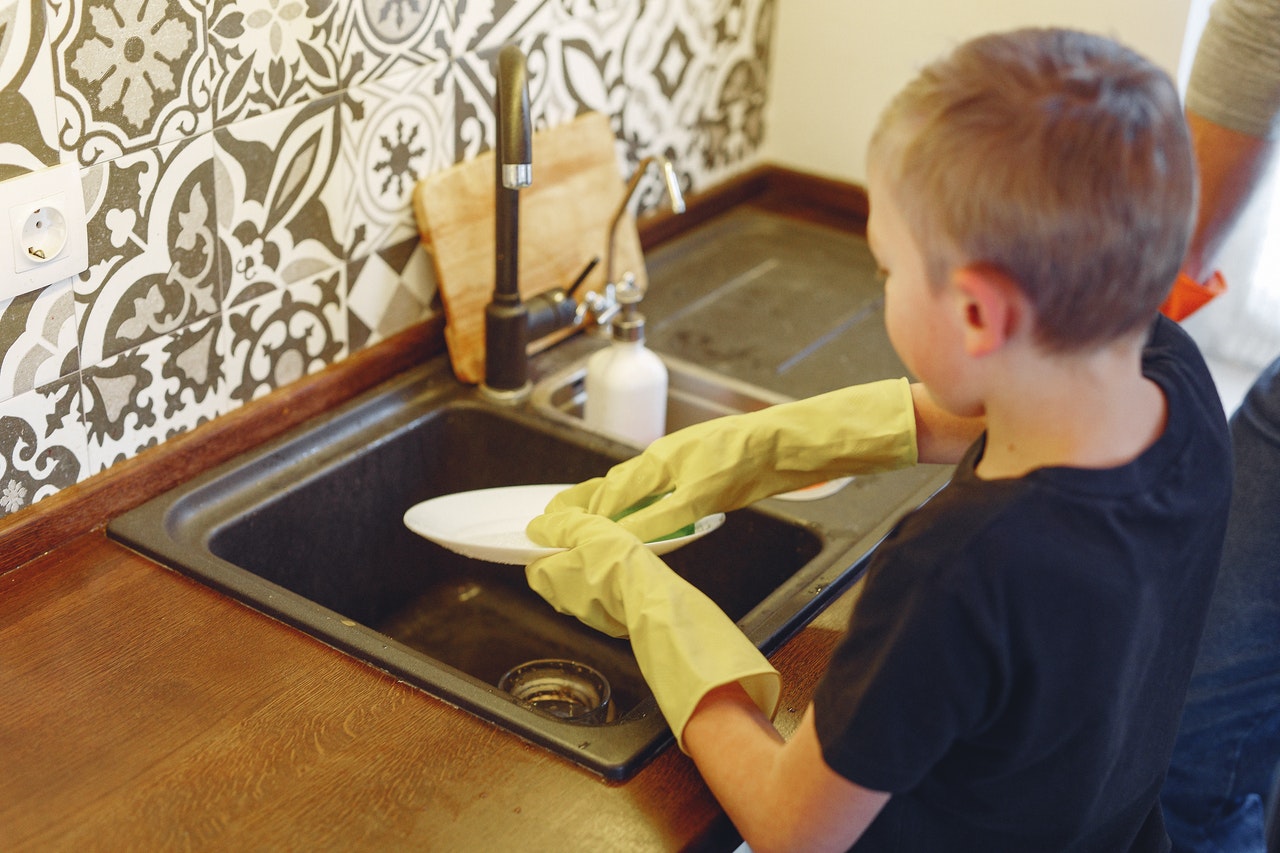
141	397
281	192
271	54
381	38
42	444
153	250
388	291
247	168
395	131
37	339
129	74
28	134
283	335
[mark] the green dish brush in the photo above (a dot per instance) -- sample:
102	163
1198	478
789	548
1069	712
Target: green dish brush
687	530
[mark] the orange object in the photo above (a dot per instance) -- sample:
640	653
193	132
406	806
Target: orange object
1189	296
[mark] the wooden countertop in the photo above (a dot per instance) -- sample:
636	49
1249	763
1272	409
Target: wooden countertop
142	710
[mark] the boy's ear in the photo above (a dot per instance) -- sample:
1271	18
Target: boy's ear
991	305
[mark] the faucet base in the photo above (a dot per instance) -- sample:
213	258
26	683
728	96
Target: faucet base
507	397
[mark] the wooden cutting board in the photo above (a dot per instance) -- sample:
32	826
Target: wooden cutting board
564	222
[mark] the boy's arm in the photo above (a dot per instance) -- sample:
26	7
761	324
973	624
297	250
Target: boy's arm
781	795
941	437
713	686
730	462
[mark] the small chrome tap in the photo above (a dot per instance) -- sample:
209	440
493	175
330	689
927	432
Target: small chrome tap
673	192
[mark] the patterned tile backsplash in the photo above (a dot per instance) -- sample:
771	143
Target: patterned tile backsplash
247	168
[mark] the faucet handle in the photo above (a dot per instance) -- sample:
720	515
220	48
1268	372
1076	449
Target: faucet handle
599	307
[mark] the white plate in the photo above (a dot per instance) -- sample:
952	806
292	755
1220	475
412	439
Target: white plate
488	524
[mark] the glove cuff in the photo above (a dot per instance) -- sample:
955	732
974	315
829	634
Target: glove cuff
862	429
763	686
679	689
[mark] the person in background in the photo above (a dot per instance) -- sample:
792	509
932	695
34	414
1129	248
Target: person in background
1228	748
1014	668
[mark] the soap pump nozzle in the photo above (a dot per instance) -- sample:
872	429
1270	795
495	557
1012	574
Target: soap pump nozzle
628	322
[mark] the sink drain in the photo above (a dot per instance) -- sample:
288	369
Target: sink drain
562	688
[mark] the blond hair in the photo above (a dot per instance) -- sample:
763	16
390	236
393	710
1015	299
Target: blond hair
1061	159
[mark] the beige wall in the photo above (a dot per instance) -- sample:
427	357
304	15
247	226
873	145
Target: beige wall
837	62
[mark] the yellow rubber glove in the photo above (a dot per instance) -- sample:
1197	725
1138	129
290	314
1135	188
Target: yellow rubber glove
730	462
686	646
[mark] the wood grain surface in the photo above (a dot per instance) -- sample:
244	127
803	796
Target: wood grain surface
140	710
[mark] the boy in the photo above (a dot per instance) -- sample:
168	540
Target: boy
1014	669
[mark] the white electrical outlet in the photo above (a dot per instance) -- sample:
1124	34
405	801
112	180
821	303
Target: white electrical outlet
46	239
42	234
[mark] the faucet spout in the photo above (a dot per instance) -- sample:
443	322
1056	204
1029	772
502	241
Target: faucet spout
506	316
514	135
673	192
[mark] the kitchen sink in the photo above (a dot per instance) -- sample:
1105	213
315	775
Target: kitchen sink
308	529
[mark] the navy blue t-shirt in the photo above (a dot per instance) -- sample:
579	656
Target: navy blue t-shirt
1015	667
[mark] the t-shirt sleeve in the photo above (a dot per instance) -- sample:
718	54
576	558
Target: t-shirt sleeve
918	667
1235	80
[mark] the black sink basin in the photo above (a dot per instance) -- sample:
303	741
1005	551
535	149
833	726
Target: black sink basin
336	538
309	529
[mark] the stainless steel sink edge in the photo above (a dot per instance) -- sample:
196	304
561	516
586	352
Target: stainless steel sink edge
560	394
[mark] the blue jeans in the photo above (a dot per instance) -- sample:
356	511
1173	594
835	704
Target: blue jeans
1228	748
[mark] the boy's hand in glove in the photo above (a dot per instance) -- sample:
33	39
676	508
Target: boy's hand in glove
730	462
685	645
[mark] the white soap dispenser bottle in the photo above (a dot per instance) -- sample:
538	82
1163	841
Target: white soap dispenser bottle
626	381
